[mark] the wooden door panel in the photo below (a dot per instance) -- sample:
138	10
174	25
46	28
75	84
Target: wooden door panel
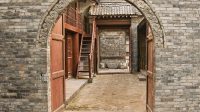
57	65
57	60
57	72
57	92
150	70
58	28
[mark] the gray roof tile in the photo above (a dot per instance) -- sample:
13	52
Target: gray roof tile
113	7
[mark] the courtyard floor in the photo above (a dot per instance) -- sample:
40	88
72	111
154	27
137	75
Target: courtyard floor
111	93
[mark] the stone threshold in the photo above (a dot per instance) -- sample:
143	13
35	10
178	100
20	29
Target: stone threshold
73	87
142	75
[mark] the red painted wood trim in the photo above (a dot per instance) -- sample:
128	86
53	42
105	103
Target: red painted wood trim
61	74
75	53
72	28
113	22
57	37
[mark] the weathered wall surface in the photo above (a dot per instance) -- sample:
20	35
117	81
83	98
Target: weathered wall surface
134	42
23	63
112	46
178	68
23	84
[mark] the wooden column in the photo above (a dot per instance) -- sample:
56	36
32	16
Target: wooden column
75	52
91	19
96	53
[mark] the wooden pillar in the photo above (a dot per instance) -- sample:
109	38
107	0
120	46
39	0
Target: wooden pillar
91	19
75	53
95	51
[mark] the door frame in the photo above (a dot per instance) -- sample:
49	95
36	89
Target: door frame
54	12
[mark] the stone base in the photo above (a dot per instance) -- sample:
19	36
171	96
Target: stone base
112	65
123	66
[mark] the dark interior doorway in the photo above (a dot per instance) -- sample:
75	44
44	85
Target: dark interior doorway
146	61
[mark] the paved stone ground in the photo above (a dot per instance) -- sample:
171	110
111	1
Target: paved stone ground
108	71
111	93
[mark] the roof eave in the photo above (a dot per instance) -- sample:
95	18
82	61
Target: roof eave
96	1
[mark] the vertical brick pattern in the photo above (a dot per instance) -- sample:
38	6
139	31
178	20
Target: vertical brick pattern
177	69
23	86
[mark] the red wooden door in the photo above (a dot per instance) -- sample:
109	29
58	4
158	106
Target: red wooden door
150	70
57	65
69	55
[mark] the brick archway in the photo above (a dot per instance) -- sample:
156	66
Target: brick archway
59	6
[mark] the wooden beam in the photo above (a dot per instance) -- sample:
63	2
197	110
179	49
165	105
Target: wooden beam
72	28
113	22
75	53
96	1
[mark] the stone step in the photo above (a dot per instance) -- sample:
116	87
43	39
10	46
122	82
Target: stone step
142	75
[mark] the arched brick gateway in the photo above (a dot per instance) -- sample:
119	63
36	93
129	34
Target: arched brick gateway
23	61
59	7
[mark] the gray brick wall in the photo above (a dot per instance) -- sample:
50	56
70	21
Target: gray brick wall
22	88
24	81
177	80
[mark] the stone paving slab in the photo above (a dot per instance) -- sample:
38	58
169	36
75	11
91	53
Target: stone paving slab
111	71
72	88
111	93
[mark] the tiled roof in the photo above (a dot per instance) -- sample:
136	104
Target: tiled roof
113	7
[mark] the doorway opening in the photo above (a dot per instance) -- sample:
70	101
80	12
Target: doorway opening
113	54
158	36
146	61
